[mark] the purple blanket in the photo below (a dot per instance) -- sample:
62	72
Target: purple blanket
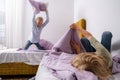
58	60
116	64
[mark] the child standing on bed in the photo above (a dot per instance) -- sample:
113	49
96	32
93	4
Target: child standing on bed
37	28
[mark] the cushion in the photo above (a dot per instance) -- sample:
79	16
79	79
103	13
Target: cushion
47	45
39	6
82	24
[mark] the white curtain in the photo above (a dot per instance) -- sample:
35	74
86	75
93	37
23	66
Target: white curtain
14	15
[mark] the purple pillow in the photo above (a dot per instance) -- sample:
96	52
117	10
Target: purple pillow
47	45
39	6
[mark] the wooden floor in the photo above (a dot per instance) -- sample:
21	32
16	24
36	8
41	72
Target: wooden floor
16	79
21	77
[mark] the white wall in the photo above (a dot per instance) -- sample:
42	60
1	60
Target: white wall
2	2
100	15
61	16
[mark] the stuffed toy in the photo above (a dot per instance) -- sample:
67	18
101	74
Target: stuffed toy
39	6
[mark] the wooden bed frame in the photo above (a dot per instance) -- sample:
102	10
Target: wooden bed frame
17	68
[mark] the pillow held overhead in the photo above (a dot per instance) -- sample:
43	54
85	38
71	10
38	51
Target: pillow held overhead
39	6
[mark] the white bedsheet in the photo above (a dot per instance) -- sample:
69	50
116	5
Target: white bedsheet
28	57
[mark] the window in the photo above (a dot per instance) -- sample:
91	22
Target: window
2	23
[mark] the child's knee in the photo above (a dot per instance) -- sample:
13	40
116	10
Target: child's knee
107	34
84	39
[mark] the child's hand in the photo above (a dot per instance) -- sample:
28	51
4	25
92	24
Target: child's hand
36	10
46	11
74	26
75	46
46	5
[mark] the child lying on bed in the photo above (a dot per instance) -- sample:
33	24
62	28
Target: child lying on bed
56	65
85	65
98	60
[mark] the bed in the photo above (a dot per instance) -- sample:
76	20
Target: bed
43	73
52	68
13	62
22	62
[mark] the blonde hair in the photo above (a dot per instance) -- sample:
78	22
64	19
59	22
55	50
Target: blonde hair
93	63
39	18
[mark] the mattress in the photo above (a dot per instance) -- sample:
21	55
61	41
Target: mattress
13	62
28	57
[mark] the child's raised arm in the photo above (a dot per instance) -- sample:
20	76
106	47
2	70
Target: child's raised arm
87	34
47	18
33	19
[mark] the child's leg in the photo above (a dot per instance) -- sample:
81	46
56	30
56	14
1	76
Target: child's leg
39	46
106	40
88	47
27	45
